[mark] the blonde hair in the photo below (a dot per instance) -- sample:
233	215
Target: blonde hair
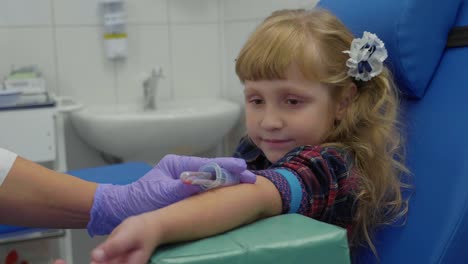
314	40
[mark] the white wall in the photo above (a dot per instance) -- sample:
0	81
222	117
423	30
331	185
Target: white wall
195	41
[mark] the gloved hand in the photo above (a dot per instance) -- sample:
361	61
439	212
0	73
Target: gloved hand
159	187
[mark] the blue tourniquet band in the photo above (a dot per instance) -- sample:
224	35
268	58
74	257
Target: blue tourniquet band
296	190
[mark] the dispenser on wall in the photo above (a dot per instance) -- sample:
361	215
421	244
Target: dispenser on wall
115	36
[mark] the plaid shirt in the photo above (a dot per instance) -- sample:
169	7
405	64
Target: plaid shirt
326	188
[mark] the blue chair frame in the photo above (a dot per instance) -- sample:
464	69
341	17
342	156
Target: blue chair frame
434	82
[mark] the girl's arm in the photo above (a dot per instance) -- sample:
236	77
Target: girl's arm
203	215
33	195
215	211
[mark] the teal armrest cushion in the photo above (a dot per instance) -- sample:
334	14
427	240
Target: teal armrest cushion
288	239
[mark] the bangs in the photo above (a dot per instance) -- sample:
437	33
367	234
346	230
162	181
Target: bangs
271	50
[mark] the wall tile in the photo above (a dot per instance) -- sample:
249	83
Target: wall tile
148	47
291	4
72	12
146	11
247	9
193	11
25	12
235	35
196	60
84	71
88	12
307	4
22	47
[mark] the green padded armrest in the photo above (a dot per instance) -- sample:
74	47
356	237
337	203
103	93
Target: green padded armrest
288	239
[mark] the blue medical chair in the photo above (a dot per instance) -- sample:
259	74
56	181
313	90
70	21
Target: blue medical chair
434	81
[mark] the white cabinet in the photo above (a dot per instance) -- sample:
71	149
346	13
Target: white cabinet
30	133
34	247
36	134
72	245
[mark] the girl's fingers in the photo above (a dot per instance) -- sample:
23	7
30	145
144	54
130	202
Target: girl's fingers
115	246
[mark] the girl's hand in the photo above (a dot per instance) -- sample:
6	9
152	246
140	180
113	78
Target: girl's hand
133	241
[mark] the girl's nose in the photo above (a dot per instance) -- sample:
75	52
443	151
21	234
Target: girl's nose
271	119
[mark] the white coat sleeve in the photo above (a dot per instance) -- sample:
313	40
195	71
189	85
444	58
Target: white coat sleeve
7	158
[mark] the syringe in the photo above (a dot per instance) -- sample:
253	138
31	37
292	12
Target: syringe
210	176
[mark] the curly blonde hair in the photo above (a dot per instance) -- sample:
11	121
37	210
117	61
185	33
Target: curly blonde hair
370	131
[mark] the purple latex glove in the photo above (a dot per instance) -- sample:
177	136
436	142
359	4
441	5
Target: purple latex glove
159	187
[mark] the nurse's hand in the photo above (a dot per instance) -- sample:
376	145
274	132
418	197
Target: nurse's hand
158	188
174	165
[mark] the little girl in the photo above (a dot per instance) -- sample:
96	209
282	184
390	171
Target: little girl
322	138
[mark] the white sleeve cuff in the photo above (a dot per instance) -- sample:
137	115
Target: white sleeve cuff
7	158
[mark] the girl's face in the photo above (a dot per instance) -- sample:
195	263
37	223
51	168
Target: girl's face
284	114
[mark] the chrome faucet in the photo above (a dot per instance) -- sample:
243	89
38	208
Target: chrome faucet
150	85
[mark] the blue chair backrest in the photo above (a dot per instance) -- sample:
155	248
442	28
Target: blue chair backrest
434	80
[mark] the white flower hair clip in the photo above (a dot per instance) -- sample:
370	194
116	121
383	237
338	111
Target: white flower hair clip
366	57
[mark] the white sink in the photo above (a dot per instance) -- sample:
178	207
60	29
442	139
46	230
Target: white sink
184	127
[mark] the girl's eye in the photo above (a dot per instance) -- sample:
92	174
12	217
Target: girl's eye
256	101
293	101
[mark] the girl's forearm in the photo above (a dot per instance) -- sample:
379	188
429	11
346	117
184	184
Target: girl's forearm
44	197
214	212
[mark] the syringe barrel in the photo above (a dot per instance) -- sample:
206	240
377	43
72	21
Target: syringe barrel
222	176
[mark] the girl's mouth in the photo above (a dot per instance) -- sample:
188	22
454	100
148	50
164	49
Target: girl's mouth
276	142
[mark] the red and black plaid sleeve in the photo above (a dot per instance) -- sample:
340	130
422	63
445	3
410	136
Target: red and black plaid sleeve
323	176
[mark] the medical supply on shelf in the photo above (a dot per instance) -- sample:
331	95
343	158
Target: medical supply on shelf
27	79
30	84
210	176
9	97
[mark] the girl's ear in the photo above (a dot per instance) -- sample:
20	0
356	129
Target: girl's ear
345	101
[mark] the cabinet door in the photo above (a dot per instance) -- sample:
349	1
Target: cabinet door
29	132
